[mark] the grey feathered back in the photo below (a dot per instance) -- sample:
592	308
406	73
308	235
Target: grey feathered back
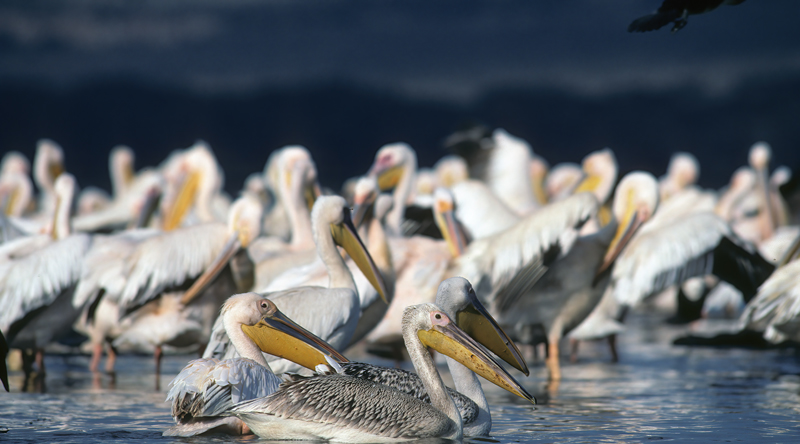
352	403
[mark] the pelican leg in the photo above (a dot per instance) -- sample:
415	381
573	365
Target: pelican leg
112	358
612	345
573	350
40	360
158	354
553	365
97	353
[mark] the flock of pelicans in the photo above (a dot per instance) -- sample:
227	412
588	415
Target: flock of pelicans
407	260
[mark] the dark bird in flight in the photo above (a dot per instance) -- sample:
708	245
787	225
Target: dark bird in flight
677	11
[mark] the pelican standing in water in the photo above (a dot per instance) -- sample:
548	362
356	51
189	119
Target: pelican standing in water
207	387
343	408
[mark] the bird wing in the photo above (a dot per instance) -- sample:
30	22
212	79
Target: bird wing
776	304
409	383
37	279
661	255
169	260
351	403
209	387
506	264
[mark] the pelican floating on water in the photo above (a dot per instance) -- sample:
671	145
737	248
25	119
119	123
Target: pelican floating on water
208	387
343	408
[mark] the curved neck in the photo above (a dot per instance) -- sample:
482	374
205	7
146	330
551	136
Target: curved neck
339	274
243	344
468	384
299	216
378	247
426	369
394	218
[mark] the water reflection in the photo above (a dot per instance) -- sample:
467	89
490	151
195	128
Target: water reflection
657	391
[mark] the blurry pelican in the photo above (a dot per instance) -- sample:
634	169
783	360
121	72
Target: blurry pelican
193	191
160	310
16	192
331	313
38	276
296	184
129	210
562	180
48	164
683	171
343	408
395	167
206	388
512	267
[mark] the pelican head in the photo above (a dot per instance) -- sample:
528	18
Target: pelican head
15	162
121	166
780	177
194	176
436	330
451	170
760	154
426	182
444	216
684	169
274	333
48	164
365	192
244	225
297	174
562	180
600	170
393	162
16	192
635	201
333	211
457	298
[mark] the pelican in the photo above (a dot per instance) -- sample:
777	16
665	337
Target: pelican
16	192
295	181
160	311
207	387
343	408
683	170
331	313
457	299
775	310
512	266
395	167
48	164
38	276
562	180
129	209
373	307
120	165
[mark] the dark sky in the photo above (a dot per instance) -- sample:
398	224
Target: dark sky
352	74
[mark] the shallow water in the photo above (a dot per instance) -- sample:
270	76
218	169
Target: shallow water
656	392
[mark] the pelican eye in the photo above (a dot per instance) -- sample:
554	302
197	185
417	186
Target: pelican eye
438	316
263	304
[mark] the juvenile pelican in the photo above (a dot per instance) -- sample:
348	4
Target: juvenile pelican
343	408
207	387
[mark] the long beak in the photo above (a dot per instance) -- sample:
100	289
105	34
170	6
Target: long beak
589	183
149	207
451	341
387	178
480	325
277	335
345	235
183	201
231	247
311	193
625	230
451	232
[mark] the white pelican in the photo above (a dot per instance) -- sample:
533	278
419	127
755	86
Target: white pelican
120	165
38	276
207	387
161	309
775	310
48	164
683	171
331	313
130	209
194	183
15	162
512	265
395	167
296	184
16	192
562	180
343	408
